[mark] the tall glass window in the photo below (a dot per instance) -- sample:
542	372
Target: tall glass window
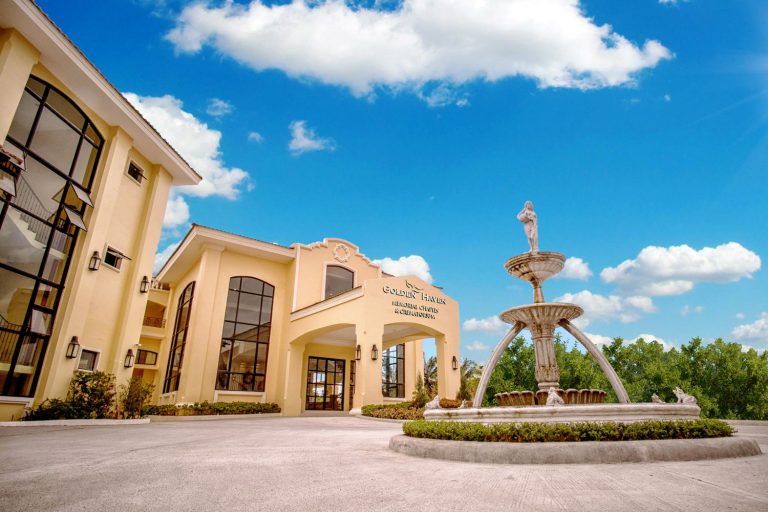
179	339
338	280
39	225
245	337
393	372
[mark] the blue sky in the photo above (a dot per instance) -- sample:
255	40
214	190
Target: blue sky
416	127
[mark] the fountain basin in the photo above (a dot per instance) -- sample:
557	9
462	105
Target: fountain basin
547	313
535	267
623	413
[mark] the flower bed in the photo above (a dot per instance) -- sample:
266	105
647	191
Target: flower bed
567	432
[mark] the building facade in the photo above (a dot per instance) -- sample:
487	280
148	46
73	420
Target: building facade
72	263
314	327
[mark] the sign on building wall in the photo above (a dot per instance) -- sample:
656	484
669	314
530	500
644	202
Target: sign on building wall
412	301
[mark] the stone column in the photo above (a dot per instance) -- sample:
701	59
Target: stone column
547	372
294	379
368	377
447	377
17	57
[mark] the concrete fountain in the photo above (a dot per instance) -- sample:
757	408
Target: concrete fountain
541	318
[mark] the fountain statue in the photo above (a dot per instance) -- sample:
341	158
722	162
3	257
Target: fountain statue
541	318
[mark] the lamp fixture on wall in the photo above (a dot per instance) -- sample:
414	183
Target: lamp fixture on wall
455	363
73	348
129	358
95	262
144	286
357	353
374	353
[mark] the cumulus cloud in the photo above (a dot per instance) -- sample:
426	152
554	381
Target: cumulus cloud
176	212
756	331
599	339
740	316
607	307
255	137
162	256
676	270
419	43
687	310
492	325
218	108
304	139
413	265
650	337
477	346
198	144
575	268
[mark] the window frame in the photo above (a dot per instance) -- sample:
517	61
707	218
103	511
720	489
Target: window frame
170	380
325	279
388	361
96	357
142	176
253	379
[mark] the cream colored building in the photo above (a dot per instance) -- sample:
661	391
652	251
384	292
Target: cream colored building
314	327
84	181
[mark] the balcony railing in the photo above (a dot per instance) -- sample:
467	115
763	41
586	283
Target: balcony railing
153	321
158	285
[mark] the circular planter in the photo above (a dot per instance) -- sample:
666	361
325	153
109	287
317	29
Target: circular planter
589	452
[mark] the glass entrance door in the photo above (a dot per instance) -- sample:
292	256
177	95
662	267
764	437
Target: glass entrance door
325	384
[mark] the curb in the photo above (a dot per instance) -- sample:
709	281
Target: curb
73	423
589	452
386	420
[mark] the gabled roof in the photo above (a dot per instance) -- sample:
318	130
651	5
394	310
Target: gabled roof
62	58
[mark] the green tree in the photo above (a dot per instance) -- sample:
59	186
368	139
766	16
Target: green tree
430	376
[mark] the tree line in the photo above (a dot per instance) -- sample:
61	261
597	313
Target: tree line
728	382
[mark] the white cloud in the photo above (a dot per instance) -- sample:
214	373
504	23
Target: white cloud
740	316
477	346
671	2
255	137
492	324
756	331
687	310
599	339
218	108
305	139
747	348
418	43
650	337
675	270
198	144
607	308
575	268
176	212
412	265
162	256
641	302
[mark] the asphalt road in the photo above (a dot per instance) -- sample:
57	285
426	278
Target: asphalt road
335	463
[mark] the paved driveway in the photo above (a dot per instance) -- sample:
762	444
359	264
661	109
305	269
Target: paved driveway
337	463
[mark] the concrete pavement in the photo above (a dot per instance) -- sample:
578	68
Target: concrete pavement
338	463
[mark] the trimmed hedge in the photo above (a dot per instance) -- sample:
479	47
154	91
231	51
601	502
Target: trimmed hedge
400	411
208	408
567	432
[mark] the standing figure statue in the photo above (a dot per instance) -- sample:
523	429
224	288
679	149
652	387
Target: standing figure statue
531	225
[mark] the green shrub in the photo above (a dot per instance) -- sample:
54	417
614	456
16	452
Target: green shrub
208	408
447	403
91	394
420	396
134	396
399	411
561	432
51	409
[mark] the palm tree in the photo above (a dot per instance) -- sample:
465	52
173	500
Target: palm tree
469	380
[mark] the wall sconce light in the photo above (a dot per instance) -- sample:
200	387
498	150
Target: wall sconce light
95	262
129	357
374	353
357	353
455	363
144	287
73	348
